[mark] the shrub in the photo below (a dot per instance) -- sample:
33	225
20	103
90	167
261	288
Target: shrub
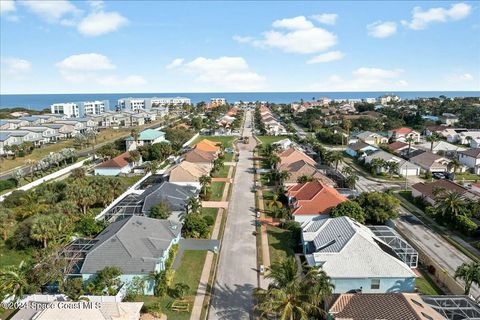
466	225
349	209
8	184
209	220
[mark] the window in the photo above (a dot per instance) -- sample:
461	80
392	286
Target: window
375	284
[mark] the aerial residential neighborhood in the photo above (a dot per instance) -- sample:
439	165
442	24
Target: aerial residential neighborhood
239	160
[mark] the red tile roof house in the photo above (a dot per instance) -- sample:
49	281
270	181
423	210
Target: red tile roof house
115	166
312	200
401	134
426	191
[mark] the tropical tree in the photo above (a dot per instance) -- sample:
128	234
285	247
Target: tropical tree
159	287
193	206
205	182
392	167
218	164
409	140
43	229
378	206
160	211
454	164
135	135
335	157
304	178
377	165
432	139
134	157
470	274
274	202
151	166
290	296
32	164
14	281
273	160
450	205
349	209
7	216
181	289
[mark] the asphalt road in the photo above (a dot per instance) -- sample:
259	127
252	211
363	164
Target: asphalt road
237	275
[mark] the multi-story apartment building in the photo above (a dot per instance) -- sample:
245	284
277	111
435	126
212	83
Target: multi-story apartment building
218	101
138	104
80	109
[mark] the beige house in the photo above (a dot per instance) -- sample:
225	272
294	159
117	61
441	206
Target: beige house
189	173
292	155
302	168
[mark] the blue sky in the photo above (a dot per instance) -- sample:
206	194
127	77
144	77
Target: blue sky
135	46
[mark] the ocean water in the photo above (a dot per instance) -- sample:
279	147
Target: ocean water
41	101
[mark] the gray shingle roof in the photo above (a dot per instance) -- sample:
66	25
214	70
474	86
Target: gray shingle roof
134	245
175	195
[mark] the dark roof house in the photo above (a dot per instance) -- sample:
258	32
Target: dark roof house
175	195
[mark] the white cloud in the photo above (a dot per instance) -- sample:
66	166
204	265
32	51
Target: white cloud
326	57
98	23
52	11
326	18
175	63
363	79
421	18
301	37
96	5
462	77
381	29
297	23
95	68
7	6
15	67
230	73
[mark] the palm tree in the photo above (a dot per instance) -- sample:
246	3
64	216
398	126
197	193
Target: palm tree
273	160
469	273
432	139
7	216
335	157
290	296
205	182
282	176
304	178
347	125
392	167
43	229
409	140
449	204
32	165
135	135
469	139
117	186
193	205
218	164
158	278
134	157
14	281
274	202
151	166
377	165
455	164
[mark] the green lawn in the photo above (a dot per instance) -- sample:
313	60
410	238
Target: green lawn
130	181
222	173
11	257
217	190
271	139
227	141
212	212
280	243
229	157
467	176
188	272
426	285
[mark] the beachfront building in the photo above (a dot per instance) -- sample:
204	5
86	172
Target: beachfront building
80	109
138	104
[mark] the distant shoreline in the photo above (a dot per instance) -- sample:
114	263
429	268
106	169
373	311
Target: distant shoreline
41	101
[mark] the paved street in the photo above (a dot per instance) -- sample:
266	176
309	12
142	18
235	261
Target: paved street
236	275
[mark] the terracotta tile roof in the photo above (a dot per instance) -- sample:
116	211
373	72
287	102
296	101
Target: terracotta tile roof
428	189
391	306
403	130
207	145
196	155
117	162
474	153
291	155
314	198
397	145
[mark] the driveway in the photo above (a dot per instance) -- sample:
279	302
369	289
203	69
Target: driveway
236	275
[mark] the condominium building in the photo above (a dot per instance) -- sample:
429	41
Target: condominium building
80	109
175	101
218	101
137	104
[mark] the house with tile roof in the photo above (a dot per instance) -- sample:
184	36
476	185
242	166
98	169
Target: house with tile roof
208	146
391	306
405	168
312	200
359	148
430	162
136	245
354	258
115	166
198	156
292	155
400	148
188	173
401	134
301	168
471	159
427	191
146	137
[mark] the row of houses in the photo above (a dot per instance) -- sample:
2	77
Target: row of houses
272	125
354	256
469	137
140	245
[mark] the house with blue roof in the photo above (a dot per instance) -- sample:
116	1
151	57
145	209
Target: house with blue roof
146	137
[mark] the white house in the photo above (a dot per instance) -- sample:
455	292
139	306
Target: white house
402	134
404	167
354	258
471	159
149	136
115	166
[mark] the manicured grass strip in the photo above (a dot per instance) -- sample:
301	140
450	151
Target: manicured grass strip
271	139
225	140
426	285
189	272
222	173
281	243
217	190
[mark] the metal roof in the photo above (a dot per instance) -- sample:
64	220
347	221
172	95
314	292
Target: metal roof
454	307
